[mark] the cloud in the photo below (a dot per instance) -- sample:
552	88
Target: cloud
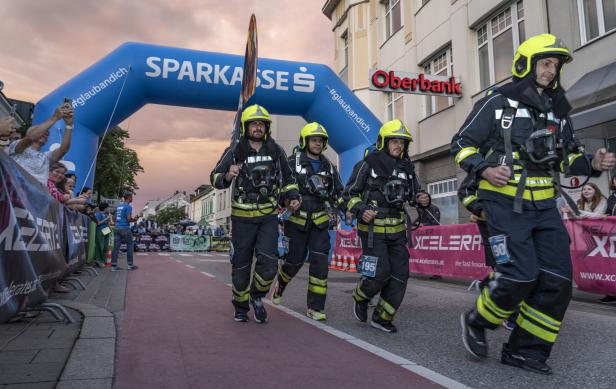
48	42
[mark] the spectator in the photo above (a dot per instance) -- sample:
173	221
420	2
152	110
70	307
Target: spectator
428	214
103	232
611	201
592	204
123	233
7	131
27	151
55	178
610	211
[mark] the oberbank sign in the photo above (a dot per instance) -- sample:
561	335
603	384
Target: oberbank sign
418	83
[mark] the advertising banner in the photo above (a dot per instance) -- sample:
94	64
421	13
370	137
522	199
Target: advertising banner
454	250
32	237
76	238
220	243
593	252
189	242
347	250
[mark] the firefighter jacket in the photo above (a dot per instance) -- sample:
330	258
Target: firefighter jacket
480	144
265	180
313	205
366	190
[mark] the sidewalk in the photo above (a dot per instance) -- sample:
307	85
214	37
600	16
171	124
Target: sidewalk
41	352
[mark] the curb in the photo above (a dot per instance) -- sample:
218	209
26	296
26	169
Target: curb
90	364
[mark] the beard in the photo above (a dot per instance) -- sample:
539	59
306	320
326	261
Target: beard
257	138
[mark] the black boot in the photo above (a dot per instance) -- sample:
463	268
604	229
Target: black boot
510	358
474	337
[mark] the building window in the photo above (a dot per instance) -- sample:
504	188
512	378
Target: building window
393	17
439	65
445	196
344	73
395	106
496	43
597	17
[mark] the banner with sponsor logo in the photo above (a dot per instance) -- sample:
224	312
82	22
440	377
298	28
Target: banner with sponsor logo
189	242
220	243
347	250
76	238
593	252
151	242
32	240
453	250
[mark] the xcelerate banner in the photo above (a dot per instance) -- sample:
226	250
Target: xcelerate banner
189	242
593	251
454	250
32	236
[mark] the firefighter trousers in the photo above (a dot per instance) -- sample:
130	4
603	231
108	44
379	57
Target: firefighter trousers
314	242
391	276
536	277
253	237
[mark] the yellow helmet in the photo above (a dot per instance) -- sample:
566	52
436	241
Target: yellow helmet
312	129
538	46
255	113
393	129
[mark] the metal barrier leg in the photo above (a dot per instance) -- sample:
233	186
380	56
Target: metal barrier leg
40	308
60	308
74	279
90	270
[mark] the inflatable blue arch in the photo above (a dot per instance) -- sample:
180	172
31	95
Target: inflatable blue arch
136	74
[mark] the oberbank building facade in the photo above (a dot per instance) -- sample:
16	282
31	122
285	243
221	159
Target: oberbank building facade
428	61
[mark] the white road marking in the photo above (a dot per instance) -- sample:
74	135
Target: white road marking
208	274
164	254
185	255
214	260
398	360
178	261
141	254
190	266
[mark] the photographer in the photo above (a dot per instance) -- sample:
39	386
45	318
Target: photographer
27	151
7	131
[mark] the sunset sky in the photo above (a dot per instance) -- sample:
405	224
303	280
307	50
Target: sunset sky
47	42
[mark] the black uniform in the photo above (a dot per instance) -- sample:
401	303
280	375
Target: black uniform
467	194
307	228
264	182
365	190
533	265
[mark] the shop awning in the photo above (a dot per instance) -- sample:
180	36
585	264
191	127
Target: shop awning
593	97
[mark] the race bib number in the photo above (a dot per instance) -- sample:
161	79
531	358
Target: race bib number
106	231
498	244
367	265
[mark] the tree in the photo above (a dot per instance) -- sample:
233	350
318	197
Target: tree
170	215
116	165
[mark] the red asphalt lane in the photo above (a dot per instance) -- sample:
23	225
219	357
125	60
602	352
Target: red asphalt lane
178	332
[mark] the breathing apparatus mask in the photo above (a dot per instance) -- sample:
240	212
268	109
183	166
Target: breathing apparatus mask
395	192
318	185
261	179
540	147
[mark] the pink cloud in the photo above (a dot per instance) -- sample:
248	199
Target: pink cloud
54	40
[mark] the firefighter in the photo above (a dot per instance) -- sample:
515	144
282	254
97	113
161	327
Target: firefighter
514	142
262	181
307	229
382	185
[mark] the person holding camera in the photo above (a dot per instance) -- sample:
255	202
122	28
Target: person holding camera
123	234
378	193
27	150
8	126
307	228
262	180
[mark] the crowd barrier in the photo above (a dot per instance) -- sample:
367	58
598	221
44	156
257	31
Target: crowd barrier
457	251
40	240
